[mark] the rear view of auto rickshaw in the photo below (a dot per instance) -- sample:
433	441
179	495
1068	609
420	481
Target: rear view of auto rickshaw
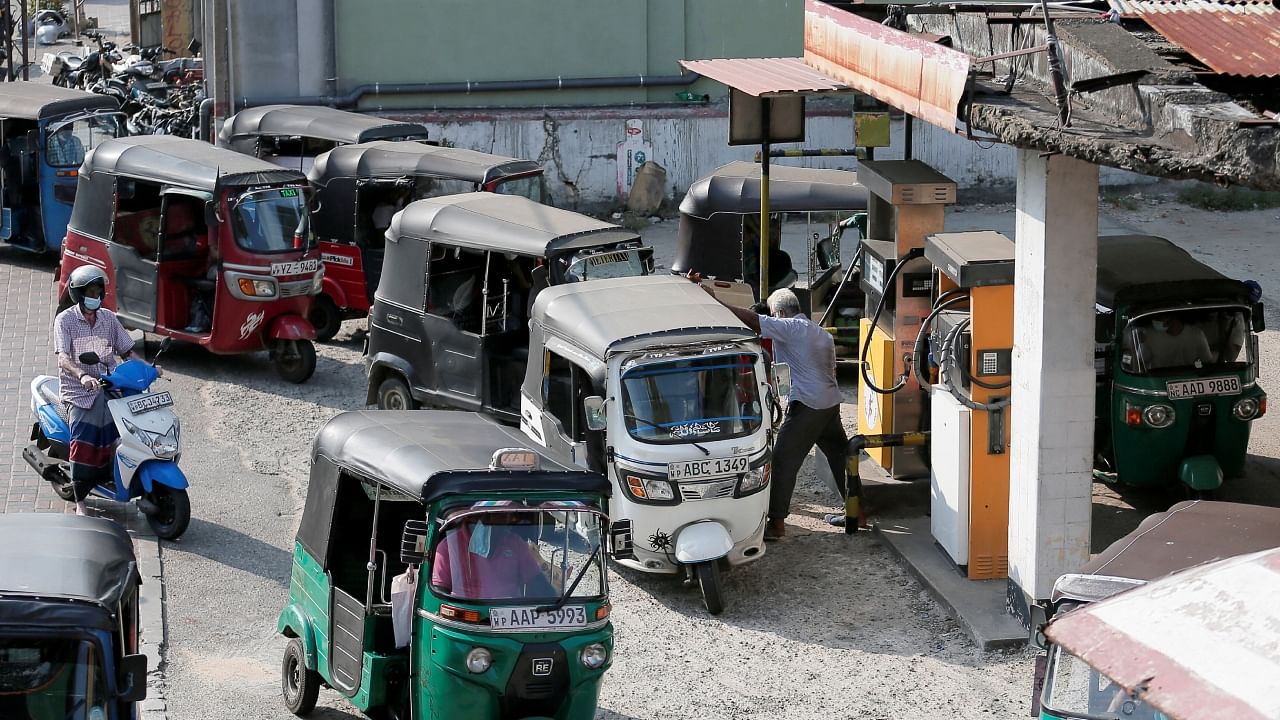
449	324
446	570
45	131
1128	639
69	630
294	135
201	244
1177	367
720	236
359	187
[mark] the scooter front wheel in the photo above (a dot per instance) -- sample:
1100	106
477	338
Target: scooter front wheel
295	360
712	588
173	512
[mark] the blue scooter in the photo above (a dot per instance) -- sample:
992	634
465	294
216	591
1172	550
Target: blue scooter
146	459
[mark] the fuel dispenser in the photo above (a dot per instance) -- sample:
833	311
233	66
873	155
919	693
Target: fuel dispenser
969	337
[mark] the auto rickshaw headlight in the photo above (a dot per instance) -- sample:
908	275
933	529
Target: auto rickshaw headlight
594	656
479	660
1245	409
1159	416
649	489
257	288
753	480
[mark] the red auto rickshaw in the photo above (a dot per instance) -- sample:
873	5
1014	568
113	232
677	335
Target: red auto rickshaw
201	244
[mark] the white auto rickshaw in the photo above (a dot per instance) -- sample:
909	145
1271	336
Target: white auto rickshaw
652	382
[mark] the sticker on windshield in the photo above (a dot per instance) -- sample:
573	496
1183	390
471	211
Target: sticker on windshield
695	429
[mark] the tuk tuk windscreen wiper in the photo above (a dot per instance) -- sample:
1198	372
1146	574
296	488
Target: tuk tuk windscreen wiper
568	591
656	426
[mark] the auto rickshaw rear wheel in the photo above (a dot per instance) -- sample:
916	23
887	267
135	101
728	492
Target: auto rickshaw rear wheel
300	684
394	394
325	318
712	589
295	360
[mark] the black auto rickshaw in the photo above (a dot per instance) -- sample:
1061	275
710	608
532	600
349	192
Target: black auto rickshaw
359	187
447	569
293	135
1177	367
450	319
1188	534
720	234
69	631
45	132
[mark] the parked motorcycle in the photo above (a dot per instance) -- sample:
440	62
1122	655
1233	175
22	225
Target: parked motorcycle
146	460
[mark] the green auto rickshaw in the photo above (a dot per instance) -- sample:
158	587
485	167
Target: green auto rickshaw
444	568
1176	359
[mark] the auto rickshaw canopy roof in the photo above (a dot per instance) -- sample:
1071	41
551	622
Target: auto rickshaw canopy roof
40	101
1150	269
505	223
398	159
317	121
1203	643
183	162
430	454
615	314
735	189
63	570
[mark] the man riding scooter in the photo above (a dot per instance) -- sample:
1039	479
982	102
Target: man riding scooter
86	327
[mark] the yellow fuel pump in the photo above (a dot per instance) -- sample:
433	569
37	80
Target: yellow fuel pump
970	339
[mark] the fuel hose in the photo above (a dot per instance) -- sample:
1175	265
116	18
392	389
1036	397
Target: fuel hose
912	254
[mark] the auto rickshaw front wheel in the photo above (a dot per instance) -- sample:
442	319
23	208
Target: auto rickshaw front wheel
300	684
325	317
712	588
295	360
394	394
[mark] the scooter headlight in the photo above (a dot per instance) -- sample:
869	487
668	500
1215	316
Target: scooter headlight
594	656
479	660
1245	409
753	480
1159	416
163	446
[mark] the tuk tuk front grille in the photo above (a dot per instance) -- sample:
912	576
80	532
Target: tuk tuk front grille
295	289
714	490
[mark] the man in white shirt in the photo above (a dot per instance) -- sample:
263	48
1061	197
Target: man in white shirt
813	408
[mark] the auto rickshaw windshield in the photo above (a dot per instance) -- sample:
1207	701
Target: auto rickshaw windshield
691	398
66	144
49	676
597	265
1075	690
500	555
271	221
1191	338
533	187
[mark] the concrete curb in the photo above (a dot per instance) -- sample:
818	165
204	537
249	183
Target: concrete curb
154	642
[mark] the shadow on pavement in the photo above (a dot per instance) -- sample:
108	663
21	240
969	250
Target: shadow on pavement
236	550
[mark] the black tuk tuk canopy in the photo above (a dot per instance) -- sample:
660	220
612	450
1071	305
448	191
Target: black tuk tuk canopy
735	189
383	159
183	162
503	223
63	570
430	454
1148	270
324	123
40	101
635	312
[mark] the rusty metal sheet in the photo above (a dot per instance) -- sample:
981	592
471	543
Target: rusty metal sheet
906	71
1231	38
761	77
1203	643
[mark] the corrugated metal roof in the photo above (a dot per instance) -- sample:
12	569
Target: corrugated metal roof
766	76
1202	644
1241	38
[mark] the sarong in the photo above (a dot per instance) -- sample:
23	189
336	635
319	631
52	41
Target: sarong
93	441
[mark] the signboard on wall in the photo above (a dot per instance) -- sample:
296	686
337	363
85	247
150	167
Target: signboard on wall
633	151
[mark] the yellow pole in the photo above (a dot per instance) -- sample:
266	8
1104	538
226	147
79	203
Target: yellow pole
764	202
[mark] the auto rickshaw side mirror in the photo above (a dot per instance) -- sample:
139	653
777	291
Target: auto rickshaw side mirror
1258	318
595	411
1039	618
211	213
782	380
413	543
131	678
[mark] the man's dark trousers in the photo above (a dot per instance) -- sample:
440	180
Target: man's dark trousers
801	430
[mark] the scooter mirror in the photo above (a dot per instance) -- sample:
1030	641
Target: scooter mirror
594	407
90	358
782	380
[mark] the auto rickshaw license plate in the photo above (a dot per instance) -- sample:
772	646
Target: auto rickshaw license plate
570	616
150	402
298	267
1207	386
711	467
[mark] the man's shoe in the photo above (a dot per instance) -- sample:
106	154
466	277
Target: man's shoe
775	530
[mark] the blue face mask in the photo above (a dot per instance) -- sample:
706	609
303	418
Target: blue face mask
92	303
480	538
